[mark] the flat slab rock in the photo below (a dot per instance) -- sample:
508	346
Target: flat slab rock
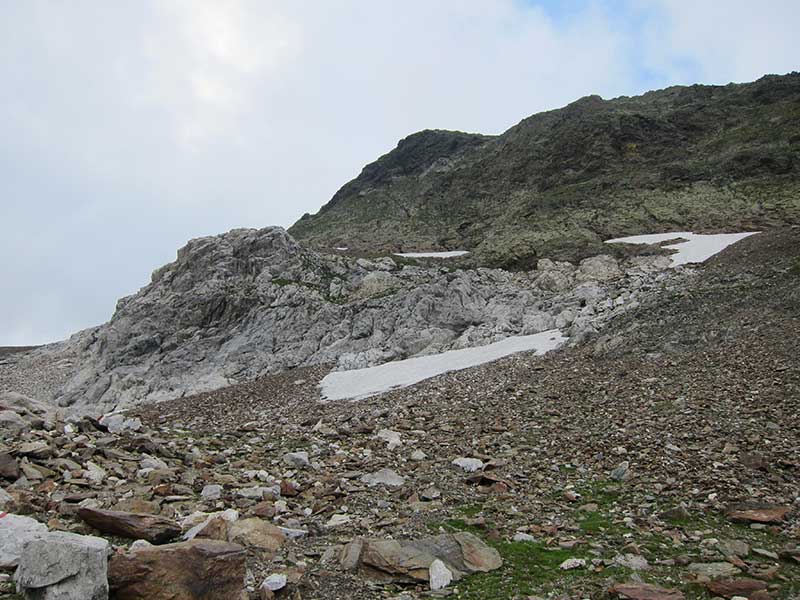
728	588
193	570
136	526
645	591
751	512
411	561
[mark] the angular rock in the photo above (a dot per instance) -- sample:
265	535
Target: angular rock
64	566
256	533
713	570
470	465
621	472
5	500
410	560
15	532
385	477
439	576
728	588
194	570
9	466
212	492
137	526
645	591
298	460
754	512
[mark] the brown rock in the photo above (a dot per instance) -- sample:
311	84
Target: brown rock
9	467
644	591
256	533
137	526
753	512
194	570
728	588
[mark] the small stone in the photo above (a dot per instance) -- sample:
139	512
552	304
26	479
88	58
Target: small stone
61	565
212	492
418	455
572	563
385	477
439	576
275	582
621	472
392	438
634	562
714	570
337	520
523	537
470	465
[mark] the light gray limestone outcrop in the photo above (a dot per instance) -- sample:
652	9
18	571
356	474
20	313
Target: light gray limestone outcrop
250	302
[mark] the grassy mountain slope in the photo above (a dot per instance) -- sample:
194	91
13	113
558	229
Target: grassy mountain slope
556	184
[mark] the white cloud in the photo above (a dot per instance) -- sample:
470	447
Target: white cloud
130	127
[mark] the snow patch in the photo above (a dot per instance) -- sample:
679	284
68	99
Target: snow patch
361	383
693	248
448	254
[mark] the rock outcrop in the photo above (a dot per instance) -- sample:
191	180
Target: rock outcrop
250	302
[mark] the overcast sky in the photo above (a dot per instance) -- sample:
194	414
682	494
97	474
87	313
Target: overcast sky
129	127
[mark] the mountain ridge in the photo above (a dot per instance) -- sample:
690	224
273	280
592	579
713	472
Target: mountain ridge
556	184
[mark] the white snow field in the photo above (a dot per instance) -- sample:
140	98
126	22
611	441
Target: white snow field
697	247
362	383
448	254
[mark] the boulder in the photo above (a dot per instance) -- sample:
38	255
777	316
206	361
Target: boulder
193	570
15	532
411	561
137	526
64	566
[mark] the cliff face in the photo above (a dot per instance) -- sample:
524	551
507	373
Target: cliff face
556	184
250	302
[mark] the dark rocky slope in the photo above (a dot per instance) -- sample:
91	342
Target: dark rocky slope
700	157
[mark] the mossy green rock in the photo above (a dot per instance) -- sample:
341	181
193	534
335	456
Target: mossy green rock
705	158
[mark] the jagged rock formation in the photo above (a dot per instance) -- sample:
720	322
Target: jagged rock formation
250	302
559	182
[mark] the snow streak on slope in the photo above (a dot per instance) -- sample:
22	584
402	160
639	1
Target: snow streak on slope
361	383
697	248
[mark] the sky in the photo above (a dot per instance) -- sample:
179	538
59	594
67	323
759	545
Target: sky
129	128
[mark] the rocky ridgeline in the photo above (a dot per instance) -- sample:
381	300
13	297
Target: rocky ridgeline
250	302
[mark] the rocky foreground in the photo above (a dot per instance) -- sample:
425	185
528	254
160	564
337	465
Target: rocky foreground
658	460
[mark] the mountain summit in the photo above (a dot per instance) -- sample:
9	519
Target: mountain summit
558	183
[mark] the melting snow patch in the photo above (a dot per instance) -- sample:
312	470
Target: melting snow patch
361	383
695	249
449	254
